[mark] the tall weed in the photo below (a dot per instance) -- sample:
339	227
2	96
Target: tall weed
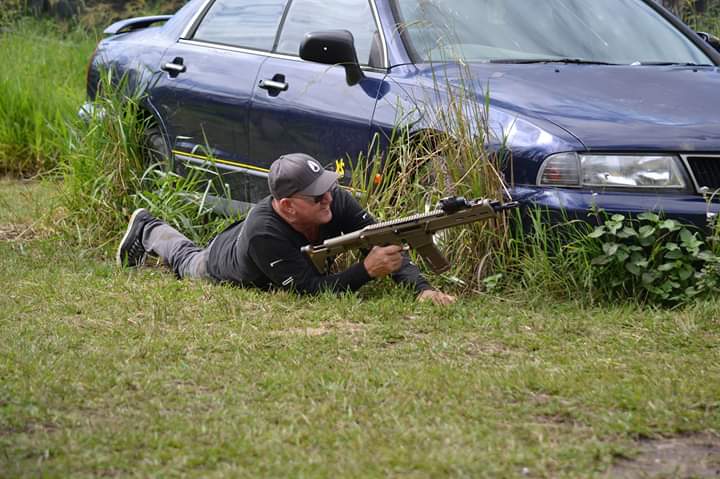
42	85
449	157
707	21
106	176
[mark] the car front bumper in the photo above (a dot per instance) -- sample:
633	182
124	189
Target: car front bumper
565	203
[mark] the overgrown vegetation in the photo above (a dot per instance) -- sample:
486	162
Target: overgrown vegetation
702	16
106	177
42	85
418	170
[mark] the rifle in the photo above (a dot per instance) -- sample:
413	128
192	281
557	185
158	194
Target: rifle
415	231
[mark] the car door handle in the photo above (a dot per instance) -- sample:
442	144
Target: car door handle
273	85
172	67
175	67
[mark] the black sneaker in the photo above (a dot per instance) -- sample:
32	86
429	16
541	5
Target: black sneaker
131	251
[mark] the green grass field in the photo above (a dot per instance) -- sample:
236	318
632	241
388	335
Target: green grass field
110	372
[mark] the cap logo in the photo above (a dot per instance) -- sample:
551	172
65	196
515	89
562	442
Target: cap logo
315	167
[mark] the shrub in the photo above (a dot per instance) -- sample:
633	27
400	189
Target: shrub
648	257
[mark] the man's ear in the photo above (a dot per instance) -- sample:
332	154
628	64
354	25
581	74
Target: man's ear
286	206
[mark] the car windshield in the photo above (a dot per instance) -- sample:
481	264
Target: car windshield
526	31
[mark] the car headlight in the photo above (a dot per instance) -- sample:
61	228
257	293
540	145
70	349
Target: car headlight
613	171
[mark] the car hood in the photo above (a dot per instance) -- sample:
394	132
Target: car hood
611	108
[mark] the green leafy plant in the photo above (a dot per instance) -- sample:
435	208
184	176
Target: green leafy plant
654	258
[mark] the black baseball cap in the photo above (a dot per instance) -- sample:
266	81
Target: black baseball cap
298	173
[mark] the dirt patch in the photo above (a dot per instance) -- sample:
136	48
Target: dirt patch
322	330
30	428
696	456
18	232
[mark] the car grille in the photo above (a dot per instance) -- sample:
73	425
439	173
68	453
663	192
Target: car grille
705	171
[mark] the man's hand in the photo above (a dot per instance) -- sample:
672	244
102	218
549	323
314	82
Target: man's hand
383	260
437	297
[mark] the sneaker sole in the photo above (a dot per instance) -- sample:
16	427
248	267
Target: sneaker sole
118	255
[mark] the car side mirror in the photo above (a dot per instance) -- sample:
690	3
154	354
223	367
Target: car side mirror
711	39
333	47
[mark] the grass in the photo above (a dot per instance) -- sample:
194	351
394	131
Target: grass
42	86
116	372
132	373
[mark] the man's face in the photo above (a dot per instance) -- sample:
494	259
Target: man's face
310	211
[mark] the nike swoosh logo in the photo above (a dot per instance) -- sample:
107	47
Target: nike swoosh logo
272	265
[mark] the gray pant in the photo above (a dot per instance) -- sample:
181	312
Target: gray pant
185	258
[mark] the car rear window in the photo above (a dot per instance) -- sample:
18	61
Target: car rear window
307	16
242	23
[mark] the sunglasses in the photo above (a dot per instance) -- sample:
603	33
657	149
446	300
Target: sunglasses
318	198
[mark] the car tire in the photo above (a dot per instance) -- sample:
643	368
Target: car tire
155	150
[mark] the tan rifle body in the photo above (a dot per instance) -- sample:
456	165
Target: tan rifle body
415	231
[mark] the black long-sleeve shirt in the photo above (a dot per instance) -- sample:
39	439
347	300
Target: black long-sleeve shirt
263	251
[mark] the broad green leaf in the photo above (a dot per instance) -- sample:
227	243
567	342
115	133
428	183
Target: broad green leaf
633	269
689	240
638	258
627	232
671	246
686	272
614	227
686	236
670	225
646	231
647	216
649	277
600	261
708	257
666	267
610	248
649	241
597	232
676	254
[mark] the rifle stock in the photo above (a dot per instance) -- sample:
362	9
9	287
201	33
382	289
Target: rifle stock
415	231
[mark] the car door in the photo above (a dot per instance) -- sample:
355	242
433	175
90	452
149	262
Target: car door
306	107
205	94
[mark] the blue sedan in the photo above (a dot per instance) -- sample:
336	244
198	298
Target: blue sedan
611	104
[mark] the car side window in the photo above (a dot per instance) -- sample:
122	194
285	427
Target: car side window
242	23
305	16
